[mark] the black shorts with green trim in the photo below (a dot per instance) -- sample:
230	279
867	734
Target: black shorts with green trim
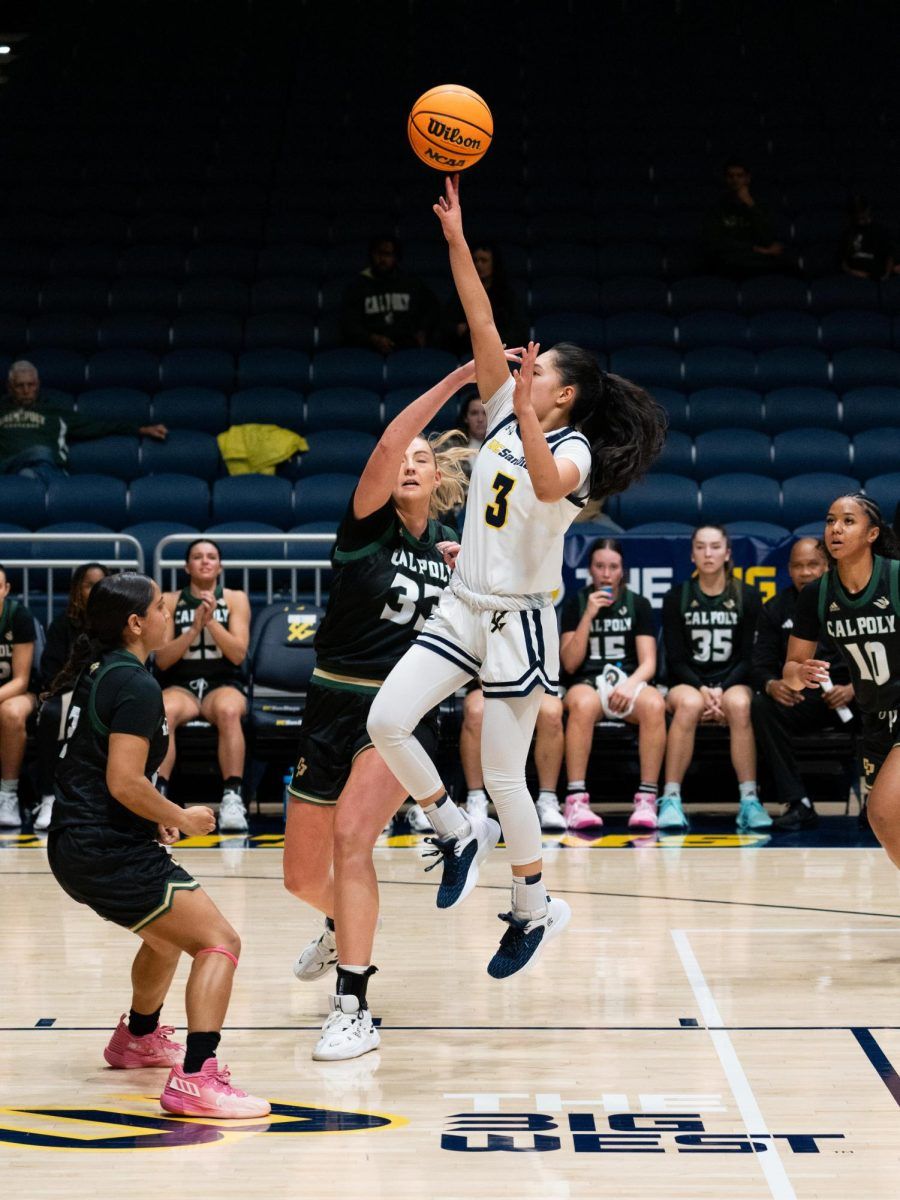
125	879
333	733
880	734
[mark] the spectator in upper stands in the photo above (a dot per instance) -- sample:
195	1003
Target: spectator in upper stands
739	234
199	670
777	710
507	313
385	308
608	656
33	437
867	248
17	697
61	636
709	623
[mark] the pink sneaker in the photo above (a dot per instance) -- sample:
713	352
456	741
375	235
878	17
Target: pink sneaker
644	815
152	1050
579	814
208	1093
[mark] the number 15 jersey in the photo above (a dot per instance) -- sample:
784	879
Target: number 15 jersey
512	543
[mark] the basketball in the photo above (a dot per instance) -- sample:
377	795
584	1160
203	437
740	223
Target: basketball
450	127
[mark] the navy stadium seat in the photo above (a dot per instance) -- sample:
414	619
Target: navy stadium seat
792	407
285	293
323	497
761	529
115	456
268	406
583	329
214	295
86	550
791	366
675	404
638	329
66	331
561	293
199	408
20	295
348	368
730	451
703	329
702	292
24	498
772	291
169	498
333	450
867	407
343	408
877	451
868	367
783	327
250	547
275	368
207	331
796	450
140	294
66	295
619	258
150	533
253	498
209	259
561	258
648	366
154	261
124	369
885	491
87	498
739	497
677	455
417	368
62	369
851	328
134	331
184	452
399	398
293	258
624	295
664	528
712	408
719	366
198	368
284	330
13	333
659	497
842	291
115	404
807	497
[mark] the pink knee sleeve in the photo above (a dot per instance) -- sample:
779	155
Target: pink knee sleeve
218	950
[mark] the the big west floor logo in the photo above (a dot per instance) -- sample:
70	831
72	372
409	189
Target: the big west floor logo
126	1129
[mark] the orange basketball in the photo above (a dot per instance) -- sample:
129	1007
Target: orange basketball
450	127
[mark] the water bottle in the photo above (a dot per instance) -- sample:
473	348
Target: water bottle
843	712
285	794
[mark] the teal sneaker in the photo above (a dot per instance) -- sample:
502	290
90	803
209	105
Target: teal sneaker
671	818
752	816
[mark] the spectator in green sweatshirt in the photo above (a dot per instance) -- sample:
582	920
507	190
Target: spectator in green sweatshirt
385	308
739	234
34	437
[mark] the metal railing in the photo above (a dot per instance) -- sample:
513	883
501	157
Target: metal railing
50	564
163	563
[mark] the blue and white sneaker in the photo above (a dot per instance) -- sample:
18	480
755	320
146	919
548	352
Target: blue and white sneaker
461	858
522	943
752	816
671	816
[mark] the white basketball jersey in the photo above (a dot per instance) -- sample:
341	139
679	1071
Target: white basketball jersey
512	543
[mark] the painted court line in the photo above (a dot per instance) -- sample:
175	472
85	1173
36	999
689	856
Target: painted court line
770	1161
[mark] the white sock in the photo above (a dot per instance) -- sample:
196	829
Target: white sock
575	785
748	789
9	787
476	794
806	802
529	896
547	794
50	797
353	970
447	820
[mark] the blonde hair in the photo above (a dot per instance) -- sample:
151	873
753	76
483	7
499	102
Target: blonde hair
452	456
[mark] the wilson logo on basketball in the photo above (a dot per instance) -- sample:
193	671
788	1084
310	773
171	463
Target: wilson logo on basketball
442	130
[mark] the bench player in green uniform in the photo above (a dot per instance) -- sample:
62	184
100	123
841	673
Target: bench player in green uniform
856	604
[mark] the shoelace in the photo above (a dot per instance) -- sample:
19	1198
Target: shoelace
223	1076
165	1032
516	932
443	849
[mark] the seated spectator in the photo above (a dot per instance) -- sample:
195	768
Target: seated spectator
33	436
777	710
61	636
709	622
867	248
511	324
384	308
607	652
18	698
473	421
739	235
199	670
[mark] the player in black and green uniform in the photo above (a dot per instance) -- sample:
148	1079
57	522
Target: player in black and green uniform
18	699
200	671
107	840
608	654
856	604
708	626
389	569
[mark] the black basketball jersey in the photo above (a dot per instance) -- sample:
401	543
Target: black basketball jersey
203	665
614	630
16	628
709	639
865	627
115	695
384	585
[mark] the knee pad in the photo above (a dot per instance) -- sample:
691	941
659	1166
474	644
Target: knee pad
218	950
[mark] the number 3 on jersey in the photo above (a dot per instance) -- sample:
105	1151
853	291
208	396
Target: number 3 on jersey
495	514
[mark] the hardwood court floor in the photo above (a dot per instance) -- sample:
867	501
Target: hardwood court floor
719	1021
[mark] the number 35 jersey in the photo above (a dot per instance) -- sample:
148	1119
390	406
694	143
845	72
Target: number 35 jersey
864	625
512	543
384	585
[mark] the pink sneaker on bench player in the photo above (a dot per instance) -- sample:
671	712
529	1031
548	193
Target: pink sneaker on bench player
644	813
209	1093
579	814
125	1051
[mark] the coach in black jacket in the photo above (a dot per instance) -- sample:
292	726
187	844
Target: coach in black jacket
777	711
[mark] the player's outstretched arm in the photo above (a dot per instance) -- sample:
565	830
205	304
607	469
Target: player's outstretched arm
491	368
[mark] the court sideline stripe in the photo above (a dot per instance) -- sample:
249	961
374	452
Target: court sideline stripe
770	1160
879	1061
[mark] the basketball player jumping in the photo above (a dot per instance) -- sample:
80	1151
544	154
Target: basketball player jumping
559	432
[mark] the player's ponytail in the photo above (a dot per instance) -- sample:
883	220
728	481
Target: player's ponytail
887	543
452	460
111	602
624	425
